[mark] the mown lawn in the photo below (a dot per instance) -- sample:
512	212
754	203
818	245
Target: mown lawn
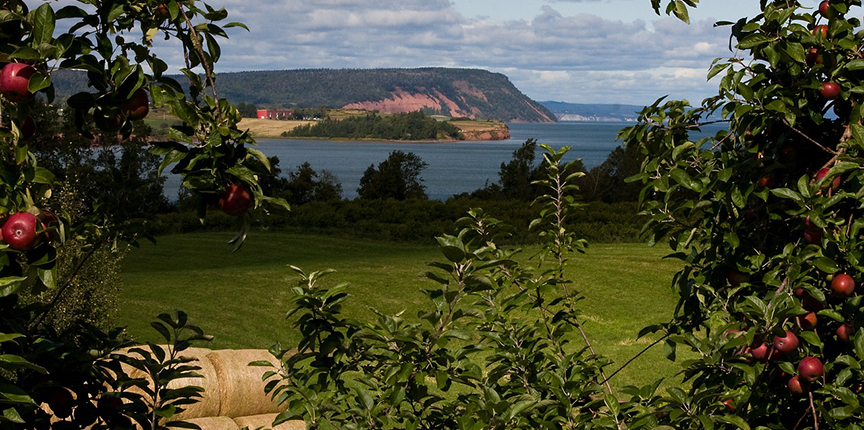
242	298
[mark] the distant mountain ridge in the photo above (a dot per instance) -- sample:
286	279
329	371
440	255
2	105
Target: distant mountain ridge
578	112
469	93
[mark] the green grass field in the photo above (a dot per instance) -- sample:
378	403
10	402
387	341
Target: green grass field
242	298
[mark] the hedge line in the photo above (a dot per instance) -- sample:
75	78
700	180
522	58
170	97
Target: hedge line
416	220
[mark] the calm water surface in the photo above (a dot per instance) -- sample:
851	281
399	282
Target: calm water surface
452	168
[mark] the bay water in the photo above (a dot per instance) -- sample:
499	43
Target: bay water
453	167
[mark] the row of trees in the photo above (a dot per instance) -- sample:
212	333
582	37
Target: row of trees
400	126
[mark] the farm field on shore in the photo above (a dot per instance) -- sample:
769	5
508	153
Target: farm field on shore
242	298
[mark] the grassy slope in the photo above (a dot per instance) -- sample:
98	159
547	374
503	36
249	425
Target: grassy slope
242	298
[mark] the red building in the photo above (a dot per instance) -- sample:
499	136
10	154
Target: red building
274	113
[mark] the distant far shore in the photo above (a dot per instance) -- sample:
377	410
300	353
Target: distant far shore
473	130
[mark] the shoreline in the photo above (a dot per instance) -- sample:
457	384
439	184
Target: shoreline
472	130
372	139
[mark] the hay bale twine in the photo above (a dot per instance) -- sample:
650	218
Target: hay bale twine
212	423
208	404
240	386
266	421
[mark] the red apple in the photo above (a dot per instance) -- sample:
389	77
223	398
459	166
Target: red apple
85	414
812	233
108	405
162	11
825	8
109	120
810	369
808	301
830	90
47	219
821	30
235	200
823	172
843	286
813	237
138	106
795	385
809	321
845	332
814	57
14	82
788	154
760	352
60	400
729	404
735	277
20	231
766	181
786	344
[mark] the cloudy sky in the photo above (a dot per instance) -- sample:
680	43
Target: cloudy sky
583	51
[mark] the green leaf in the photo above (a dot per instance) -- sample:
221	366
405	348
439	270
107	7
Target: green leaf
717	69
43	25
517	408
738	198
115	12
681	11
859	344
796	51
753	41
236	24
11	362
12	415
9	285
811	338
786	193
856	64
38	82
732	239
26	53
826	265
734	420
48	276
9	337
364	396
13	394
42	175
685	180
706	421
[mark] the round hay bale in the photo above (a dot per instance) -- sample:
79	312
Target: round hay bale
212	423
266	421
208	404
240	386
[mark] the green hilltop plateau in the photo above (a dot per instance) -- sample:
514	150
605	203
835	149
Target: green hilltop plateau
461	93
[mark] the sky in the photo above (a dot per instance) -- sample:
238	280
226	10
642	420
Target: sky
580	51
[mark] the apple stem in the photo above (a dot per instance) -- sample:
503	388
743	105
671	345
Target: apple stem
813	409
208	70
66	285
644	350
810	139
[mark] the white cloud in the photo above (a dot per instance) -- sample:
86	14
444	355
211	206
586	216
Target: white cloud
578	57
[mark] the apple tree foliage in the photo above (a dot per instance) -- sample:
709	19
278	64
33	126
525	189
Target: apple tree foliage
501	345
762	233
113	41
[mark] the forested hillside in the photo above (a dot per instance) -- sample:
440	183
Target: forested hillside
470	93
